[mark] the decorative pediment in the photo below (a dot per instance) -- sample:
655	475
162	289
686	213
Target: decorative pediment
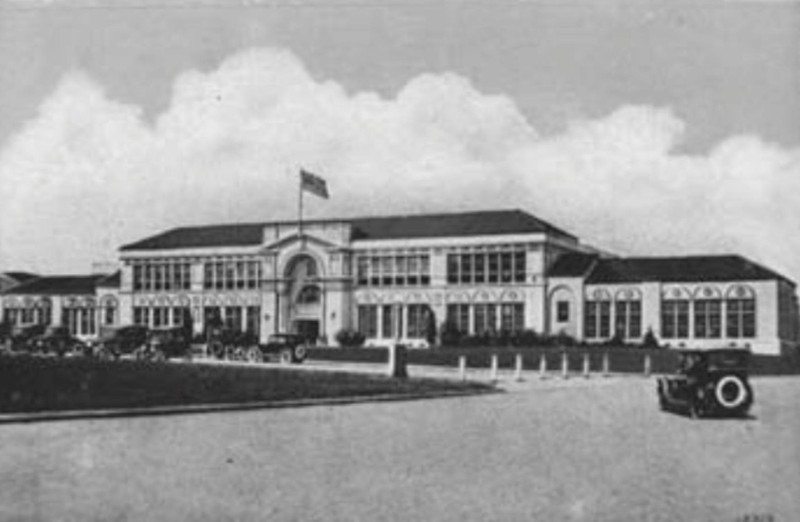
297	241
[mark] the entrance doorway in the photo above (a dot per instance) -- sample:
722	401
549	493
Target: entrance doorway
308	329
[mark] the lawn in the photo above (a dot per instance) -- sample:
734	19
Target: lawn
30	384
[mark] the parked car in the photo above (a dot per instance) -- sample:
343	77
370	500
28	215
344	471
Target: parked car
116	341
288	348
165	343
58	340
22	337
708	382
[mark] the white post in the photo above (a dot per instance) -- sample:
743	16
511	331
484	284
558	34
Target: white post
494	368
586	365
518	368
647	365
564	365
606	365
543	366
462	367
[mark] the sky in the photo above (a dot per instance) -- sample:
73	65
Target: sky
642	127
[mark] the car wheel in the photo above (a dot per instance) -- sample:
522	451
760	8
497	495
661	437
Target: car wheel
286	356
254	355
299	353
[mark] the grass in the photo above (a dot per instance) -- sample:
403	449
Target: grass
31	384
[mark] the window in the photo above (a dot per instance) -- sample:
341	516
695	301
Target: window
708	318
161	275
309	295
141	316
417	321
741	318
368	320
233	318
227	274
485	317
481	267
628	323
396	270
253	322
562	311
597	319
675	318
512	317
458	316
388	322
110	312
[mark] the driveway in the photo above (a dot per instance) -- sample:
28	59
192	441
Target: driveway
594	449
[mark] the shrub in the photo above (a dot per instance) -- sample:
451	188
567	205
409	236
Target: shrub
451	335
650	340
350	338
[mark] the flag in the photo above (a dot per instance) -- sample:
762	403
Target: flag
314	184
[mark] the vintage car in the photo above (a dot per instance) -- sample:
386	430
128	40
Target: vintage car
166	343
22	337
223	343
116	341
708	383
288	348
58	340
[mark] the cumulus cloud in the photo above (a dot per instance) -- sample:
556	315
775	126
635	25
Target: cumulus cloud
89	173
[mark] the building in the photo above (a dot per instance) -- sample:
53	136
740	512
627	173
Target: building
9	279
71	300
401	277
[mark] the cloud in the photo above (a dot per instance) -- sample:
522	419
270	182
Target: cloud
88	173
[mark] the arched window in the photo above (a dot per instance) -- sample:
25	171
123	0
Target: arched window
740	312
675	303
628	313
308	295
707	313
109	312
597	314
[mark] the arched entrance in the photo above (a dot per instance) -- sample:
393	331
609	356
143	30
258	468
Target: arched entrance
305	297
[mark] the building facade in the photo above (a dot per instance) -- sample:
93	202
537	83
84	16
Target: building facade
401	278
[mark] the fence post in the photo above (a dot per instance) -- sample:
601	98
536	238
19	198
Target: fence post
586	365
564	365
493	376
543	365
518	368
462	367
606	365
647	365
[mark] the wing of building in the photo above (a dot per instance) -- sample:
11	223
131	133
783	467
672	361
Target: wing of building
402	277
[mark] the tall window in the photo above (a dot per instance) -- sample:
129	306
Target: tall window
628	319
110	311
708	318
597	319
233	318
675	318
458	316
485	318
741	317
562	311
512	317
388	322
417	321
368	320
253	322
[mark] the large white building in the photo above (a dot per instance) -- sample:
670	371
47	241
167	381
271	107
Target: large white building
392	277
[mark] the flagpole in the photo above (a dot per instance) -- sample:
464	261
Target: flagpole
300	208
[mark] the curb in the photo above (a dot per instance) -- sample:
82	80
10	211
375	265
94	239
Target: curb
45	416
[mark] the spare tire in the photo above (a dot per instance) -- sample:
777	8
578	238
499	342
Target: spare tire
732	394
